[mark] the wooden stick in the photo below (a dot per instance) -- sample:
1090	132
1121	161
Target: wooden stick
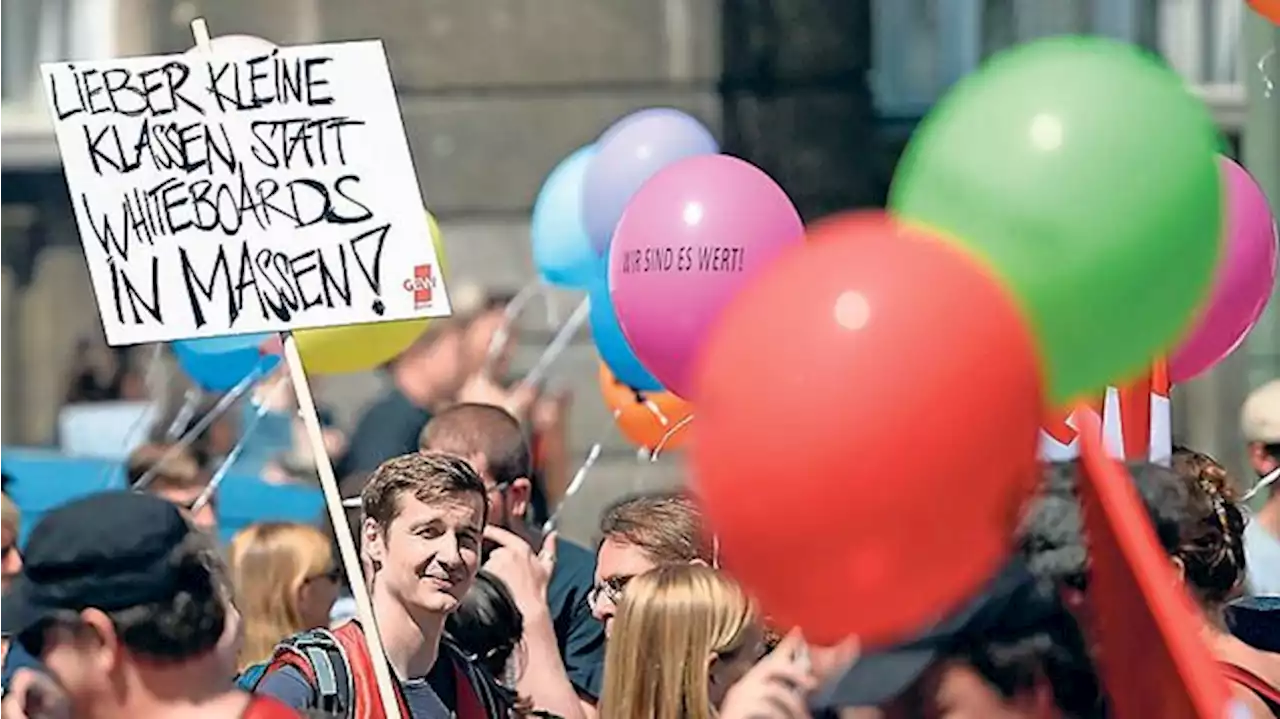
332	497
338	516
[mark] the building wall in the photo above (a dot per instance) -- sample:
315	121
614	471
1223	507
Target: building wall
493	94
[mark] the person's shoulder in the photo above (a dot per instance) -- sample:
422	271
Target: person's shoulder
573	561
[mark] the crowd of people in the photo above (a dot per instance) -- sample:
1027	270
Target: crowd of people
121	604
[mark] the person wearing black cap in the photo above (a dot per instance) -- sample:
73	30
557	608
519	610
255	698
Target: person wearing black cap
1013	652
119	600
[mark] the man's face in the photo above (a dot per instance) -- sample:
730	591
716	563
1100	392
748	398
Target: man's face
508	503
205	518
428	556
616	563
11	562
954	690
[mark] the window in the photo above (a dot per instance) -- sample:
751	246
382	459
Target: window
36	31
922	46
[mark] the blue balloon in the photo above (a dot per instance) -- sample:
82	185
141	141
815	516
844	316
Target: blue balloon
562	250
217	364
612	344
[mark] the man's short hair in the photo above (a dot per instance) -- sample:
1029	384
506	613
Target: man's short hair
173	469
471	429
428	476
667	526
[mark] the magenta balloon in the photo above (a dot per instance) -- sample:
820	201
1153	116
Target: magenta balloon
686	244
1243	281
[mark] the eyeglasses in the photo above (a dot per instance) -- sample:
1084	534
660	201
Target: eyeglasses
610	589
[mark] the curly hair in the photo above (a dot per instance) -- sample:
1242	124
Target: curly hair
1210	528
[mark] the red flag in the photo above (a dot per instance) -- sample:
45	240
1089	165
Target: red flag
1151	658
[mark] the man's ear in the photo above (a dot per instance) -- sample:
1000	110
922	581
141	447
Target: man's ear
373	542
519	495
98	639
1180	568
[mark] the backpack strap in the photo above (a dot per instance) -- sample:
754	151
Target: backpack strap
492	700
1269	695
320	658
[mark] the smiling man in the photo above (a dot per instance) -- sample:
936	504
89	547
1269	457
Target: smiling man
424	516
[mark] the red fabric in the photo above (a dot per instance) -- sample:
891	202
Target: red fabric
1254	683
1151	659
261	707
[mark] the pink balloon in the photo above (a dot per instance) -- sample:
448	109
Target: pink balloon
1243	282
689	239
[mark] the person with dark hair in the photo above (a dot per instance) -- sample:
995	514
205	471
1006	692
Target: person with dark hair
639	534
175	476
488	626
120	602
1013	652
423	524
1199	524
560	634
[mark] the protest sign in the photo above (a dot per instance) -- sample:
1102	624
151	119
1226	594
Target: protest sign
221	193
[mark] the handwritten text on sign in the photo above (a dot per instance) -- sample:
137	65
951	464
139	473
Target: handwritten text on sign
223	194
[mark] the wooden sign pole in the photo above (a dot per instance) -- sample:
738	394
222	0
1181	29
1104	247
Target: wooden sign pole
347	551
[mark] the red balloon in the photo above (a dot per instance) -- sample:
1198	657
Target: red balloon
868	414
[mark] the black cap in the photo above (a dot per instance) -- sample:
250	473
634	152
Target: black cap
1011	605
110	551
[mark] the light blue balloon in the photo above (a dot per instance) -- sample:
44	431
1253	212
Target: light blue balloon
562	250
612	344
217	364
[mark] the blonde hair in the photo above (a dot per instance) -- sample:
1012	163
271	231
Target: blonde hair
269	562
671	620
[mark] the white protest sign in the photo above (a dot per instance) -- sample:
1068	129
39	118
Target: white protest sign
228	192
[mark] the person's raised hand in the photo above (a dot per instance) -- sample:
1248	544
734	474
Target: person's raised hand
482	388
775	688
34	695
526	574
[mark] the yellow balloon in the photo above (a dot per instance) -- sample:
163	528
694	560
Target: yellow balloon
355	348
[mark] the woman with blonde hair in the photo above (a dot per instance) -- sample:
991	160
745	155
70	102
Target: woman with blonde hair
285	580
684	634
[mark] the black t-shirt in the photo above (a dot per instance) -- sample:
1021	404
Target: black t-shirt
580	636
388	428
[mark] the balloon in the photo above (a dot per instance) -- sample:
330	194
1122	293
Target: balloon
1243	281
1085	172
216	364
355	348
612	344
630	152
562	252
691	238
1270	9
640	415
868	413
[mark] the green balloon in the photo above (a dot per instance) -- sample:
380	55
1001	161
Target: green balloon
1083	171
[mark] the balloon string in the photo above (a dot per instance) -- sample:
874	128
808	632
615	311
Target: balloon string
510	314
657	448
655	409
558	344
579	477
224	403
1262	484
153	367
190	403
263	408
148	376
553	307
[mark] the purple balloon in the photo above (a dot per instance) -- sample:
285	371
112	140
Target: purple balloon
631	151
690	240
1243	281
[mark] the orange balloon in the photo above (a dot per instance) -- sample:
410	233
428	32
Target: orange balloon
639	415
1270	9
